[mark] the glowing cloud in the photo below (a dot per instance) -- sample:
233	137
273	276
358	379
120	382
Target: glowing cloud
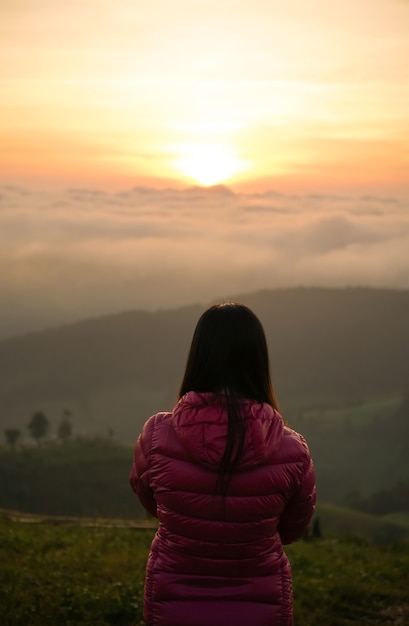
83	251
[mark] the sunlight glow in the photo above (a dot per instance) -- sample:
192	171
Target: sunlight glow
169	93
207	164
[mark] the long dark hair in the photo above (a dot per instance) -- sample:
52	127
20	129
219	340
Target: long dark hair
229	357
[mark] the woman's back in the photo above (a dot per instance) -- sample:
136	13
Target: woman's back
217	558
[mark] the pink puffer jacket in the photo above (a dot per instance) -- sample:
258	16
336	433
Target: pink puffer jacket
215	562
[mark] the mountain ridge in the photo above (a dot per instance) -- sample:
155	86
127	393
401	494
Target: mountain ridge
326	344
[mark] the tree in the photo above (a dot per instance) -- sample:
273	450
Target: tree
38	426
65	426
12	436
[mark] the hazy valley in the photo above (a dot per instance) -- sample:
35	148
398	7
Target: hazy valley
339	361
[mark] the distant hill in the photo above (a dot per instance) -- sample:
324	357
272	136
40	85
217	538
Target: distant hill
328	347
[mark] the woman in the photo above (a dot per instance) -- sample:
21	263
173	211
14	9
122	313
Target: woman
229	482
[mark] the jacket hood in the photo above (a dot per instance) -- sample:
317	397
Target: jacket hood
200	423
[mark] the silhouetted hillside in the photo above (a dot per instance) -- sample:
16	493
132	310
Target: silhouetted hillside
327	346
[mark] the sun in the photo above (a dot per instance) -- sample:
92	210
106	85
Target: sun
207	164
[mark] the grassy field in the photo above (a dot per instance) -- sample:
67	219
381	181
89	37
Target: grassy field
85	478
67	574
340	522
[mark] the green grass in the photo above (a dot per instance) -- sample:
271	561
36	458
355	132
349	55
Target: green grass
66	575
86	478
401	518
56	454
341	522
349	581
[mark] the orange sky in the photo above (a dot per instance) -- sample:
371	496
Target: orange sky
256	95
154	154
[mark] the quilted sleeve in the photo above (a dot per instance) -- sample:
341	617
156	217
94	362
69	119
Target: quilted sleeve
300	508
140	472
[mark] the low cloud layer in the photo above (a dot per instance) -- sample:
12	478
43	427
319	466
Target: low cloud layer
80	252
